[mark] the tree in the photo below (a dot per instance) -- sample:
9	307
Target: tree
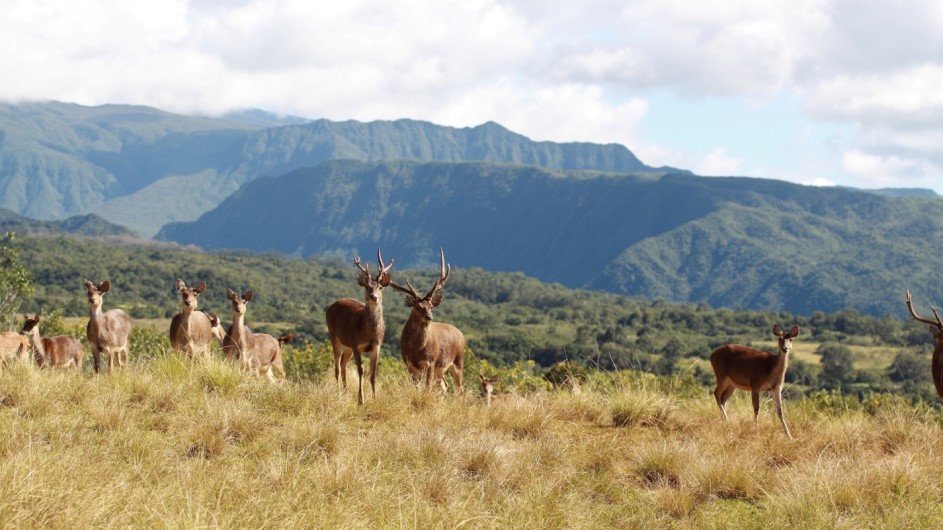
838	365
16	282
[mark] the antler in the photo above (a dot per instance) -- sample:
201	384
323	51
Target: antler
918	318
366	270
383	269
409	289
443	275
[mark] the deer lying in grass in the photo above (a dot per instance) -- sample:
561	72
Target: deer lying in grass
190	330
429	347
746	368
357	327
487	391
936	330
13	347
62	351
107	332
256	351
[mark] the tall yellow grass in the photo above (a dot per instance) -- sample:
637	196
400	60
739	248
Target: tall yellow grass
162	445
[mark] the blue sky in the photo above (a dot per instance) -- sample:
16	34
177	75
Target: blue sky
818	92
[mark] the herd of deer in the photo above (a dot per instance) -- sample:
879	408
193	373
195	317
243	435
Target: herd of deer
428	348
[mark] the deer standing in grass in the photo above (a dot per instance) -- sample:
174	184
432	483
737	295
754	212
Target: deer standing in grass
107	332
936	330
430	348
256	351
61	351
357	327
746	368
191	330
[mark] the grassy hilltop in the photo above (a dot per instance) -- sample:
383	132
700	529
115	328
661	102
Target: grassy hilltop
159	445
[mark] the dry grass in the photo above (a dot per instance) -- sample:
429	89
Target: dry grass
167	446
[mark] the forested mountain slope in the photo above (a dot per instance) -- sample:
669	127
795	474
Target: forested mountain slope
733	242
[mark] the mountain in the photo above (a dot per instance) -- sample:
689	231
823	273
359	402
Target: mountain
83	225
142	167
731	242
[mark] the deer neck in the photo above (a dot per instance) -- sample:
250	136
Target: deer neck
94	312
37	342
373	316
417	331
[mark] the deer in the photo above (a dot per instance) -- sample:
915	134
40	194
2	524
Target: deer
191	330
107	332
746	368
13	347
356	327
256	351
936	331
216	329
430	348
61	351
487	392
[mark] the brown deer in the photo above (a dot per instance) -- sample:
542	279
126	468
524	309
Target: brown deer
191	330
108	332
357	327
429	347
62	351
256	351
487	392
746	368
936	330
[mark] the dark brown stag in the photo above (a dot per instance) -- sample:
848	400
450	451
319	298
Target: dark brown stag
356	327
430	348
936	330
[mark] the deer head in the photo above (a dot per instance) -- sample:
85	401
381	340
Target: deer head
785	339
29	324
239	302
188	295
95	292
373	287
422	306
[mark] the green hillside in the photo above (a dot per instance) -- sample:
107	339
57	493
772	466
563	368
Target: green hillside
731	242
142	168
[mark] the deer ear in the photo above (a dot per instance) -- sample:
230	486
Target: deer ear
104	286
88	284
385	279
794	332
180	285
410	301
937	333
230	294
363	279
436	300
247	296
200	288
778	331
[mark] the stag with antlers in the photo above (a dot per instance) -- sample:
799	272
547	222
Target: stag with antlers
430	348
936	330
357	327
737	366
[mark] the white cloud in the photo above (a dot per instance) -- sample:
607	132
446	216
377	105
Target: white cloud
719	163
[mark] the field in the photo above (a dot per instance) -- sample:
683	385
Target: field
166	445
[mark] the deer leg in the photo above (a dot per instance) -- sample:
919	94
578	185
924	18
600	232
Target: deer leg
778	400
342	367
721	394
359	361
96	356
457	373
374	359
756	407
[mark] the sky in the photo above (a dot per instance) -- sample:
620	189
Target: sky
817	92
